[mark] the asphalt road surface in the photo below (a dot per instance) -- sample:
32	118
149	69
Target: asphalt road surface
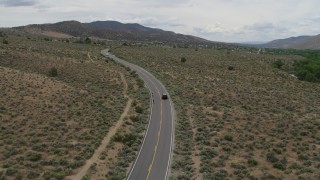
153	159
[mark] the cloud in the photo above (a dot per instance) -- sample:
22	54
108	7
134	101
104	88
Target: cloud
17	3
152	21
212	29
258	31
217	20
162	3
267	28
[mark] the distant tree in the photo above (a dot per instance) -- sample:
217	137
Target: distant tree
5	41
183	59
53	72
2	34
277	64
308	70
87	40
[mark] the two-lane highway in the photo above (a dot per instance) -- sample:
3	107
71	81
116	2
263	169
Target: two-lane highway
153	159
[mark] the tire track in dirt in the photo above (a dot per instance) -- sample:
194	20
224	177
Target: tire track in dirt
123	79
90	57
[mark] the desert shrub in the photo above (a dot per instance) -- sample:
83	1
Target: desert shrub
53	72
183	59
47	39
33	175
139	109
271	157
77	163
135	118
221	174
208	153
33	156
183	177
85	178
11	171
252	162
303	157
53	175
129	139
279	165
228	137
117	137
140	83
230	68
2	109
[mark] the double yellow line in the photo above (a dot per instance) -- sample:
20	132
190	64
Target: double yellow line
159	132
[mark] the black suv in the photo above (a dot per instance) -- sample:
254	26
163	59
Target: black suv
164	96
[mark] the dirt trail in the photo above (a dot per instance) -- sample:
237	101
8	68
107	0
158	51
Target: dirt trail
103	144
84	169
90	57
195	158
123	79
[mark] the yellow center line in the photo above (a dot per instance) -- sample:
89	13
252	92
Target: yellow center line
159	132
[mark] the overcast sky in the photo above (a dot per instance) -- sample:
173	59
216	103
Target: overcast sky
218	20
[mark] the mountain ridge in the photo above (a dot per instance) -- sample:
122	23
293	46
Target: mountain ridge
299	42
114	30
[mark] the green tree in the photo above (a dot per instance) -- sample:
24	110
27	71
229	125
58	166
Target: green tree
277	64
87	40
308	70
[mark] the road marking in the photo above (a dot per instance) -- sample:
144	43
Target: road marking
159	132
146	74
144	138
161	117
172	118
136	68
172	139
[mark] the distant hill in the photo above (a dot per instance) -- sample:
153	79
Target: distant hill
300	42
113	30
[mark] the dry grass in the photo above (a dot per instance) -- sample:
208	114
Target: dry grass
253	122
51	125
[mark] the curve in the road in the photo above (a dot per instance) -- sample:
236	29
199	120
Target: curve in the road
153	159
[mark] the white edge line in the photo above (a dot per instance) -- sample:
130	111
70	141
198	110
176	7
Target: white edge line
172	141
145	134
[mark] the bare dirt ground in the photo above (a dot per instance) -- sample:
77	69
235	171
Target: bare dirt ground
125	84
56	34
